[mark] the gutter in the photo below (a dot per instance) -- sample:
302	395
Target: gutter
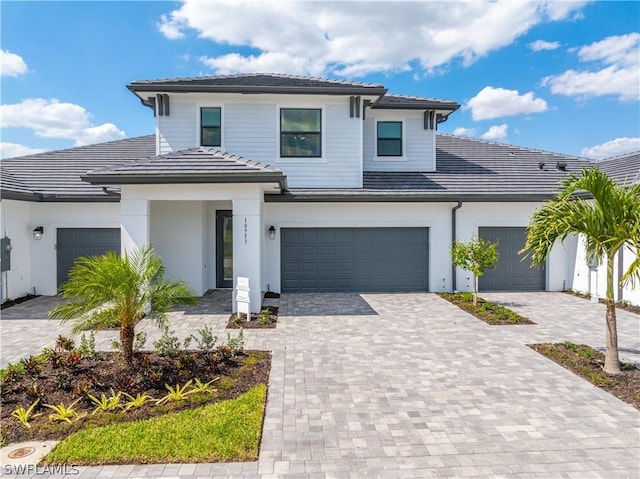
453	239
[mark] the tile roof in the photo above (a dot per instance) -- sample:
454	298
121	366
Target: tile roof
390	101
259	83
625	169
194	165
56	174
466	169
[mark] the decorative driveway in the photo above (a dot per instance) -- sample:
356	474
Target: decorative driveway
408	385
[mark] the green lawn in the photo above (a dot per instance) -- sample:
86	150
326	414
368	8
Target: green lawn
221	432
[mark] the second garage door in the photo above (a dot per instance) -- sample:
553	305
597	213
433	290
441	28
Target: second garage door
74	242
354	259
511	273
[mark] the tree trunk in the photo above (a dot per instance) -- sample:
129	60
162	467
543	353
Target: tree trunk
611	361
126	342
475	290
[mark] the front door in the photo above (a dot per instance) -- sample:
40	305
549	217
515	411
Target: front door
224	249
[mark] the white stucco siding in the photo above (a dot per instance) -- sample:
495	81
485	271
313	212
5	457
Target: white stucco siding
179	130
594	281
435	216
178	232
476	215
418	144
63	215
18	227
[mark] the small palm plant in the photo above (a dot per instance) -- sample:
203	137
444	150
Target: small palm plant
607	216
120	288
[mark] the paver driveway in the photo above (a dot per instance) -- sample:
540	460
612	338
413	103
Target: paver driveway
410	386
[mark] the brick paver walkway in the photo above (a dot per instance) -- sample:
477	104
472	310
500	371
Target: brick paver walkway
408	385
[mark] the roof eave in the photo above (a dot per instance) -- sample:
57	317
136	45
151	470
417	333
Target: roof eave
163	179
173	88
450	107
394	196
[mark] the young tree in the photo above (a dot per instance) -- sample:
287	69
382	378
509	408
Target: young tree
120	288
607	216
476	256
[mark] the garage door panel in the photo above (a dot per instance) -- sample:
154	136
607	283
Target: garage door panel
355	259
72	243
511	273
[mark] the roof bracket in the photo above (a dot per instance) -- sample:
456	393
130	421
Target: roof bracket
430	120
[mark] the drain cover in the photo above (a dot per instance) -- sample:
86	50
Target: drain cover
21	452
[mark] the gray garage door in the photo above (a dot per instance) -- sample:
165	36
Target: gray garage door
511	274
74	242
354	259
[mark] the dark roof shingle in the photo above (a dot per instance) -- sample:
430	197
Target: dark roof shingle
404	102
625	169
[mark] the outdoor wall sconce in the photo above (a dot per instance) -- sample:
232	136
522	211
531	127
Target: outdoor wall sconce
38	232
272	232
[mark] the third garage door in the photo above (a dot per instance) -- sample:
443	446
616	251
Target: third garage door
354	259
511	274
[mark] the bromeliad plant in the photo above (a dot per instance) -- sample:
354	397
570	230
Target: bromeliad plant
200	387
136	402
179	393
62	412
25	415
104	403
121	288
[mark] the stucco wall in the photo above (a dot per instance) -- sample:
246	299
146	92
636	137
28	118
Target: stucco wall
17	226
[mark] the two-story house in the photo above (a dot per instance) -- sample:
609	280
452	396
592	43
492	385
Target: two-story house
299	184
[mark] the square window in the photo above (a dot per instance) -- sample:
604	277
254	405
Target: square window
300	133
210	123
389	138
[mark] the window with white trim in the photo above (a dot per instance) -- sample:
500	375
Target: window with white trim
389	136
210	126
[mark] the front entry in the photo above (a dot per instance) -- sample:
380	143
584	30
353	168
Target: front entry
224	249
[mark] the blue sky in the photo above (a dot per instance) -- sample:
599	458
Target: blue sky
559	76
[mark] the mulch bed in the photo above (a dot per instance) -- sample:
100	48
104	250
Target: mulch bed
490	313
237	372
268	320
587	363
627	307
22	299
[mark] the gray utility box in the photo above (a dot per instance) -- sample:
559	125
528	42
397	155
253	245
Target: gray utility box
5	247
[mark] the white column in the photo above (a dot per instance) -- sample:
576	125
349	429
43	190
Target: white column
134	218
247	243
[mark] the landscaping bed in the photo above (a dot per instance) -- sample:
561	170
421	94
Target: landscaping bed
265	319
68	375
587	363
12	302
487	311
624	306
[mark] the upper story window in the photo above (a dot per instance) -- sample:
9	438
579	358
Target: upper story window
389	138
210	131
300	132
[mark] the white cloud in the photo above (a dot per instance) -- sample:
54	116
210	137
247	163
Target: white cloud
9	150
462	131
11	64
499	102
52	119
619	72
336	37
496	132
540	45
618	146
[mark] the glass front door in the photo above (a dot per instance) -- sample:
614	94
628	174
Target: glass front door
224	249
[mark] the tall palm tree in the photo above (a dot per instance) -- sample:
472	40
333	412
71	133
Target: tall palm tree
120	288
607	216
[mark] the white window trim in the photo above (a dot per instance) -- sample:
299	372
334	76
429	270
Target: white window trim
379	158
302	160
199	107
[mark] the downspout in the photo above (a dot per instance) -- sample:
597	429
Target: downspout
453	239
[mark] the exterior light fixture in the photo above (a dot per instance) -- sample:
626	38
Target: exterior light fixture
272	232
38	232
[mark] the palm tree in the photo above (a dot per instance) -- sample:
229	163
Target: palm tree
607	216
121	289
